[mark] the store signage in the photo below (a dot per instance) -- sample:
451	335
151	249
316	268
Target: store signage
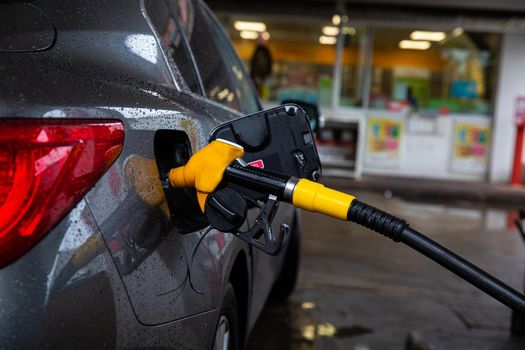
464	89
384	140
471	147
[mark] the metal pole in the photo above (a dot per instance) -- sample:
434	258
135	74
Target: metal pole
367	48
338	70
518	151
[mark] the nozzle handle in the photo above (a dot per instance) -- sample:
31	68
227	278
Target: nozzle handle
261	180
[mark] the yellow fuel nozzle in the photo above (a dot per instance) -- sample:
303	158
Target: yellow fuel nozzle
204	171
206	168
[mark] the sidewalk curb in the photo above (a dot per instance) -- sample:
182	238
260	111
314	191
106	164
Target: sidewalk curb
436	190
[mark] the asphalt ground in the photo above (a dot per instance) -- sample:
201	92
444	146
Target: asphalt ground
359	290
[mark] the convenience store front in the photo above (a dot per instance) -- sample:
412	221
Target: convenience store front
397	99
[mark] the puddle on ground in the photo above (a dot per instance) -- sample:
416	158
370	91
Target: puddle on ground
293	325
325	329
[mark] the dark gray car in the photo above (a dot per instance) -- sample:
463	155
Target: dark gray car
97	101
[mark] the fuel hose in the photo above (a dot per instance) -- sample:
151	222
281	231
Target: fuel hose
315	197
219	163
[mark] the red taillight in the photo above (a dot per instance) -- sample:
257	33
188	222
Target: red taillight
46	166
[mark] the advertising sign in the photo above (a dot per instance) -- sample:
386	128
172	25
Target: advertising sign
464	89
384	140
471	148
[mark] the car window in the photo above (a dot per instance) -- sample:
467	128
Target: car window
223	75
241	79
173	42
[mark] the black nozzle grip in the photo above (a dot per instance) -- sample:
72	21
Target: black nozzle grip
258	179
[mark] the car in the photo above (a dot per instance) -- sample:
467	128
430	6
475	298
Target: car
98	100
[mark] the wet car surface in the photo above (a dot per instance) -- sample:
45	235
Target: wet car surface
125	263
358	290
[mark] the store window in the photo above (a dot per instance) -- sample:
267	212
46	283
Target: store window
433	71
356	39
290	59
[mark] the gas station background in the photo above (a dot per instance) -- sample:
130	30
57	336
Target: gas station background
444	109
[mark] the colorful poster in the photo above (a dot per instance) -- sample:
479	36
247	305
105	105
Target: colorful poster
471	148
464	89
384	140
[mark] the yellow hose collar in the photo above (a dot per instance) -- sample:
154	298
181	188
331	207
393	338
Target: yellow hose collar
313	196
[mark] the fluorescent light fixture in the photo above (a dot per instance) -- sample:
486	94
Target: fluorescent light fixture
414	45
330	30
457	31
249	26
327	40
336	19
428	36
349	30
248	34
266	35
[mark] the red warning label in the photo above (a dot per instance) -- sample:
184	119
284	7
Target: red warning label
257	163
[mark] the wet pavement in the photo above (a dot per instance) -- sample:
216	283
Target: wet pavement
359	290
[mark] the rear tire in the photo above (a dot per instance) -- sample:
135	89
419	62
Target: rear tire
285	284
227	336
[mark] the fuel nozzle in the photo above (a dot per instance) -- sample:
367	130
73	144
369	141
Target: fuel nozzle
212	170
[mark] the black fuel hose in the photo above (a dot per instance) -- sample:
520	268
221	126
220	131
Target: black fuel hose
399	231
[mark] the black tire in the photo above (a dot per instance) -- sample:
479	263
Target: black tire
230	312
285	284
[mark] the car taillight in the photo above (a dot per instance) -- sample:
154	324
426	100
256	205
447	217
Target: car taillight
46	166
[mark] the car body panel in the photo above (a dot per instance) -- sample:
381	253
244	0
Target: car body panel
116	266
66	273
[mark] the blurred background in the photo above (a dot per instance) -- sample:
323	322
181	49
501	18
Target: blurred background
422	106
433	85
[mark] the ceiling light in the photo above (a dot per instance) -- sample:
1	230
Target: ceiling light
344	18
457	31
348	30
414	45
327	40
429	36
336	19
250	26
266	35
330	30
248	34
